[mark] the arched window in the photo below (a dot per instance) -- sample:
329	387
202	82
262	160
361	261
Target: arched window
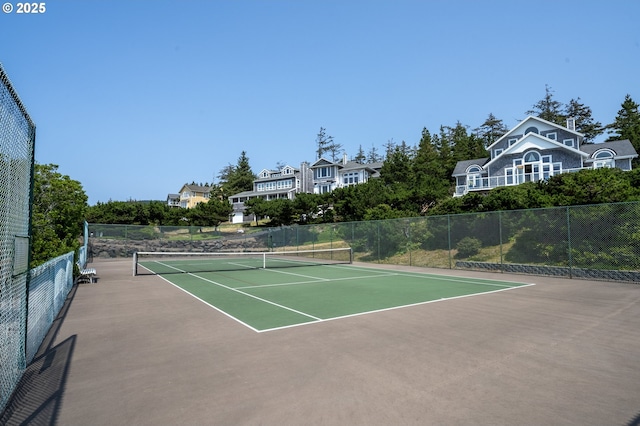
531	157
531	129
474	178
603	158
603	154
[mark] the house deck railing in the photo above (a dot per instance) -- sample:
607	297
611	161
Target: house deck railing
487	183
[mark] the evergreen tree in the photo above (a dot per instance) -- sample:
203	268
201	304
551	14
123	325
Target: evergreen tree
548	108
430	179
326	144
211	213
627	124
465	146
241	178
491	130
373	156
585	123
360	157
441	142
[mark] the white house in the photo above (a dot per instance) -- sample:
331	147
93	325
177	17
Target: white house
329	175
271	185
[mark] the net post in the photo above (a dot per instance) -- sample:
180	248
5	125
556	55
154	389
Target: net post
350	255
264	260
135	263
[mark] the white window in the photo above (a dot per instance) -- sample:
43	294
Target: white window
323	172
603	158
497	152
350	178
508	173
552	136
569	142
512	141
474	178
324	189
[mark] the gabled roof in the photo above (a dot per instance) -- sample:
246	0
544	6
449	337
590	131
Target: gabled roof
349	165
535	141
462	166
276	174
527	122
323	162
196	188
622	149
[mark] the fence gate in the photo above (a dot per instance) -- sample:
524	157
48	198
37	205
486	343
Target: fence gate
17	142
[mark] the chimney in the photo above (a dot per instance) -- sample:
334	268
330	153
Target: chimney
344	158
571	124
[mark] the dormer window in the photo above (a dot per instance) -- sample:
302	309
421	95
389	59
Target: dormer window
603	158
531	129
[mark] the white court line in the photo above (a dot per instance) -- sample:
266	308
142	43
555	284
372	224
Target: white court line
394	308
466	280
237	291
210	305
318	320
254	297
315	279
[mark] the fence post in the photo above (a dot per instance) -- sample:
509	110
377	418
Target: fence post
500	230
569	243
378	238
449	238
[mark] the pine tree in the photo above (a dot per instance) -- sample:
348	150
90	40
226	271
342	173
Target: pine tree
430	179
491	130
326	144
548	108
241	178
585	123
627	124
373	156
360	157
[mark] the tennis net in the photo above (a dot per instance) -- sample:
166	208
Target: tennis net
157	263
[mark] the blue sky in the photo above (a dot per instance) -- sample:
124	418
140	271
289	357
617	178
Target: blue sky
135	98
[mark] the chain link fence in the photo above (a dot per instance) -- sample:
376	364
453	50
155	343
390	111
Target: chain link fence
596	242
17	140
49	285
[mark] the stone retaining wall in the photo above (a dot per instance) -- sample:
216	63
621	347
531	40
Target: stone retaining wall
556	271
112	248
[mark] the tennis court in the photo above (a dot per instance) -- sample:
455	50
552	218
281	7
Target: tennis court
269	291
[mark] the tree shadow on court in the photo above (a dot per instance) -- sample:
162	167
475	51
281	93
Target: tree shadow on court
635	421
38	395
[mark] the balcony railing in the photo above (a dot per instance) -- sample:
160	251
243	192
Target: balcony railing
487	183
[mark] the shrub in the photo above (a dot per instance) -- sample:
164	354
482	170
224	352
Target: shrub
468	246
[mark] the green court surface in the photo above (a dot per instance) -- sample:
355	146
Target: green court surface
269	299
